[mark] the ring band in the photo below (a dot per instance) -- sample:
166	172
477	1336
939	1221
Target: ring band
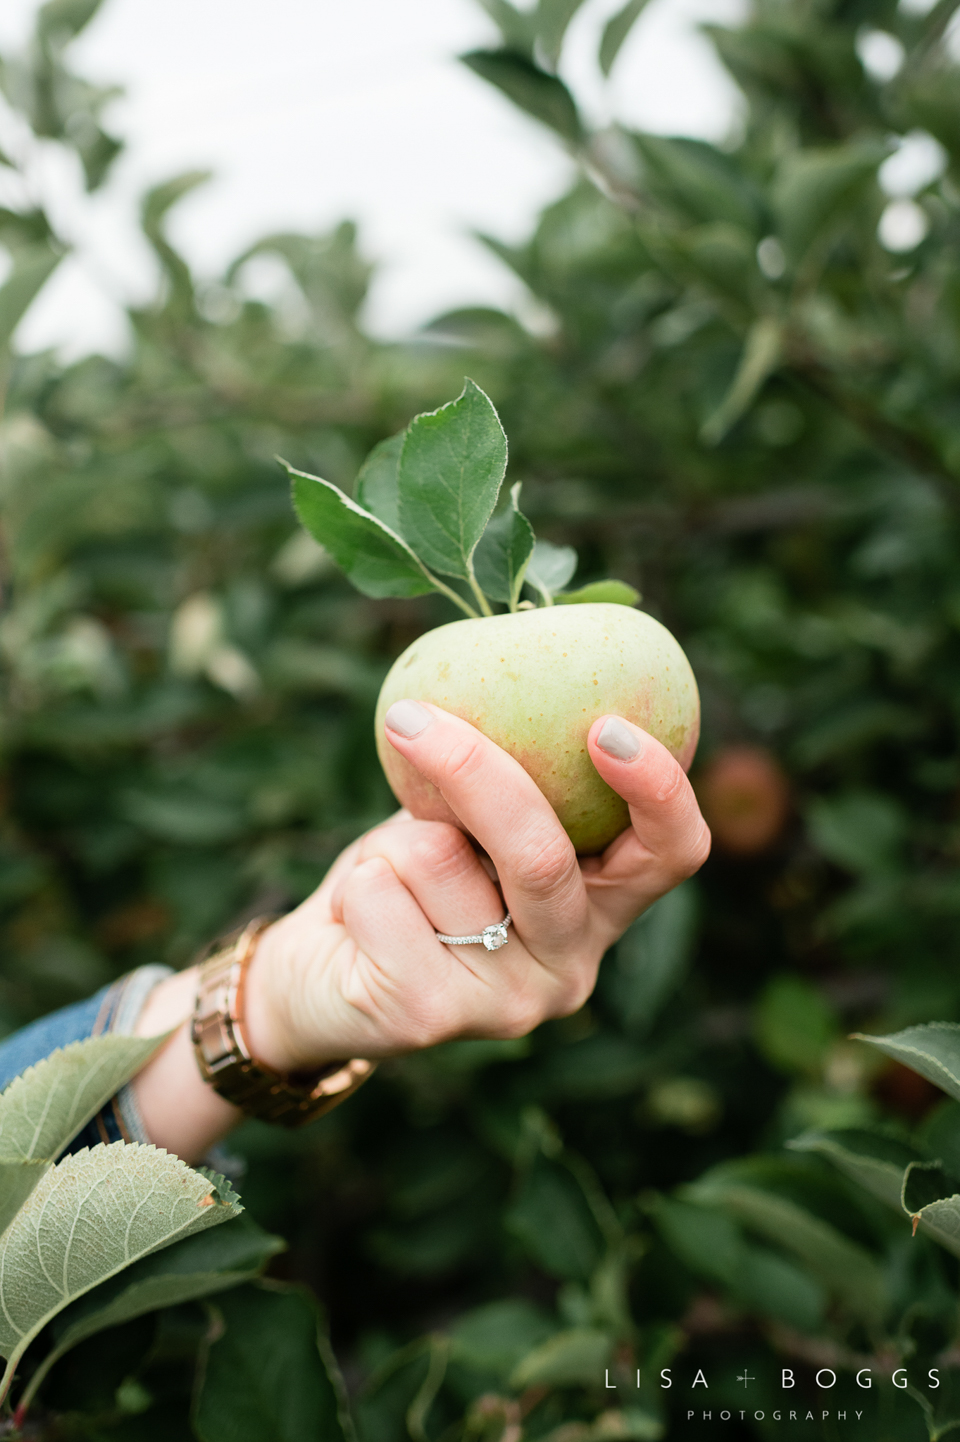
492	937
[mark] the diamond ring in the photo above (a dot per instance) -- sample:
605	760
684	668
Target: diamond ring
492	937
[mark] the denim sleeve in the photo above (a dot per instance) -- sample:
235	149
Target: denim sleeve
113	1009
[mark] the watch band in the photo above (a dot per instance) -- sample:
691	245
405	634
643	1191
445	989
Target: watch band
223	1055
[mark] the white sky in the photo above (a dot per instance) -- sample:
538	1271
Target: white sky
309	111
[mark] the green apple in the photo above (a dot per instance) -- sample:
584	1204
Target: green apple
534	682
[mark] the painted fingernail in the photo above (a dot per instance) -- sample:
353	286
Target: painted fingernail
407	718
618	740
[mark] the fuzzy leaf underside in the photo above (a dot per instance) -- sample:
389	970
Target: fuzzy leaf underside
92	1215
198	1266
452	464
378	562
551	567
44	1107
17	1181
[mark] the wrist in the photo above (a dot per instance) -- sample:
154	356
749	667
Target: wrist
266	1025
277	1021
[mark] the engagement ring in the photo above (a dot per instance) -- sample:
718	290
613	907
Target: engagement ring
492	937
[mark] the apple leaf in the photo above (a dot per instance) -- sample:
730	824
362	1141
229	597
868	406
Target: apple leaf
373	557
31	270
567	1359
17	1181
452	465
553	20
504	552
44	1107
616	593
932	1050
88	1218
376	488
270	1372
762	353
518	27
844	1267
543	96
208	1262
875	1161
616	31
550	568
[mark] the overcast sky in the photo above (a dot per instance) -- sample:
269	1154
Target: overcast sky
308	111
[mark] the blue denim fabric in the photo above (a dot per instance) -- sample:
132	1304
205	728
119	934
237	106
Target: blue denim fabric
71	1023
32	1043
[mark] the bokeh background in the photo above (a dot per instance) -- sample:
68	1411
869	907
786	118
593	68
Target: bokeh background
717	303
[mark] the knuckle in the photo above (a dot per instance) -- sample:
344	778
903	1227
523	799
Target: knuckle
673	786
421	1024
549	867
463	761
442	851
573	994
521	1015
373	874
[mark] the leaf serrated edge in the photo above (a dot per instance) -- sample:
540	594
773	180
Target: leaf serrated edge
351	505
469	386
230	1208
898	1051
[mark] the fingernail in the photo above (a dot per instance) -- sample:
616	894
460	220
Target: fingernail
618	740
407	718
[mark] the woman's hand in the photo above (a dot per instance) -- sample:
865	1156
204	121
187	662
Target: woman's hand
357	970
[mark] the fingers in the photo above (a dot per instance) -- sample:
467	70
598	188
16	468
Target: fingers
402	966
421	992
503	808
669	839
437	864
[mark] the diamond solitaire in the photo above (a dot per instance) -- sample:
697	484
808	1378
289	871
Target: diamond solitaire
491	937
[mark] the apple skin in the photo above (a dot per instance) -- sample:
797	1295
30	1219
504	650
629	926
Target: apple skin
534	682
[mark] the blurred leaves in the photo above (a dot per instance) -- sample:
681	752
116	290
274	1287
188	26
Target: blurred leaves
266	1372
535	91
722	387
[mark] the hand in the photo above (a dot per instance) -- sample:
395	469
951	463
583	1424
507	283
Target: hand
357	970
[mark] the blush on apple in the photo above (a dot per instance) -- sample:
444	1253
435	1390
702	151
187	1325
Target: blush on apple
534	682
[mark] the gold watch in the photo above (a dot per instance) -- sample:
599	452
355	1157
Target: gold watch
223	1055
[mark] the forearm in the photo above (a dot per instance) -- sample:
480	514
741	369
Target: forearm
180	1112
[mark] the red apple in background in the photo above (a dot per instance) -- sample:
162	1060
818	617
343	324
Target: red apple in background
745	798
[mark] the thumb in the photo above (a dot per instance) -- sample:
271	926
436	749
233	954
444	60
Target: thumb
663	808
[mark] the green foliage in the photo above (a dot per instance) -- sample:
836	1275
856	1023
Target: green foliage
264	1373
427	499
743	404
113	1205
102	1235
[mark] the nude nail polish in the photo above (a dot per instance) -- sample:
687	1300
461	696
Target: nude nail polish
618	740
407	719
